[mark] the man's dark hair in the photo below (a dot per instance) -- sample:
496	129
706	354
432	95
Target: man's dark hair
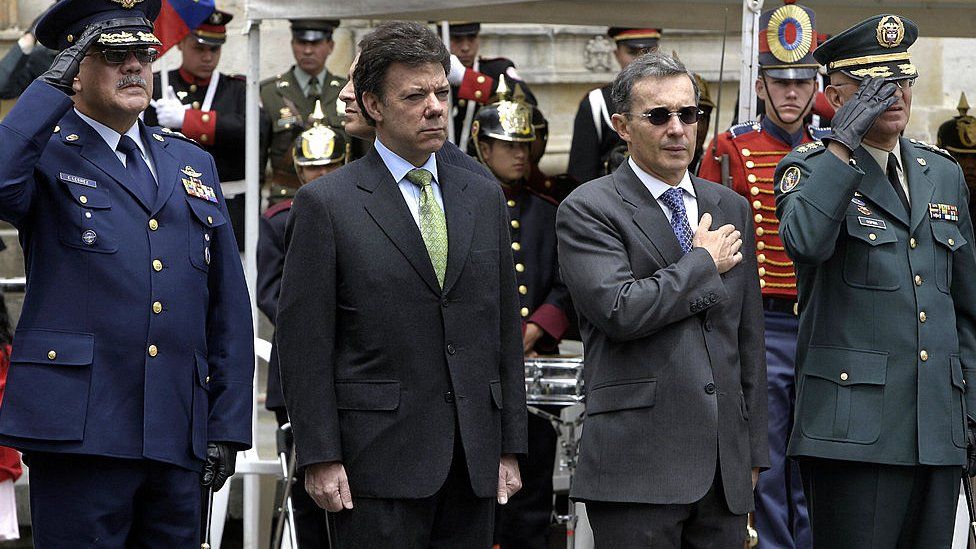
405	42
649	65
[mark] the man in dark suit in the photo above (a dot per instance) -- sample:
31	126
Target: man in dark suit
134	354
398	328
672	327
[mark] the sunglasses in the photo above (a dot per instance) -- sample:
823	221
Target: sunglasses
118	56
660	116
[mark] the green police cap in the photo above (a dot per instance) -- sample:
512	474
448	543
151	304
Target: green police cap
876	47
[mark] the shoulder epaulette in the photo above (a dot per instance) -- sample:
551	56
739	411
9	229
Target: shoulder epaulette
929	147
809	149
745	128
818	133
277	209
178	135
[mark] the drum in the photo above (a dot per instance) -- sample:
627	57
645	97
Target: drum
554	381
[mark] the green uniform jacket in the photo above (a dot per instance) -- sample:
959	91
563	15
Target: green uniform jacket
887	303
288	109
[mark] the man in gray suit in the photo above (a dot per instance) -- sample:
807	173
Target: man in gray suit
671	316
398	328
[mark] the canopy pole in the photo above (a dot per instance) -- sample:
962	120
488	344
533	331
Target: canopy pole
446	37
749	71
252	155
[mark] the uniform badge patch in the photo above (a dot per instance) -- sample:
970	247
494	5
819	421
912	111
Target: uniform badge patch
947	212
89	237
77	180
790	179
864	210
194	187
858	201
871	222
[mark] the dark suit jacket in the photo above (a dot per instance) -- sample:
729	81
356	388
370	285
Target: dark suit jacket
675	365
380	367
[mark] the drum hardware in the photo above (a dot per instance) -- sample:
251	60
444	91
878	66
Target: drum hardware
206	525
556	381
752	536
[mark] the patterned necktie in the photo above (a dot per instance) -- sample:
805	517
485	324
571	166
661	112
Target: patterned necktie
433	225
313	87
895	182
135	166
672	198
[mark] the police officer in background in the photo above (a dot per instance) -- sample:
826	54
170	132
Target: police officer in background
958	136
131	379
880	231
289	98
593	135
209	107
317	151
747	155
480	78
503	133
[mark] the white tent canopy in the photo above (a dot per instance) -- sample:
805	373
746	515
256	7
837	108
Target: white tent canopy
935	17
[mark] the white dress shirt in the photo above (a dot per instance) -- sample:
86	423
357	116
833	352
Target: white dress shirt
657	187
881	157
113	137
411	193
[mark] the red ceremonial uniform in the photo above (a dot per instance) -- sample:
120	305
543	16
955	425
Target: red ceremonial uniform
753	154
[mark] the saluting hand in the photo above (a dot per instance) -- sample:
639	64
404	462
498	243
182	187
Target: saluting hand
509	478
328	485
722	244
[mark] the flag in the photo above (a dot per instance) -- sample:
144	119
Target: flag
178	17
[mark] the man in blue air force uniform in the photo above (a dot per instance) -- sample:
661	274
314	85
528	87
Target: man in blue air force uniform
130	383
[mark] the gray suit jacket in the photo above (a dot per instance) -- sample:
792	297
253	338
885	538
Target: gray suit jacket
379	366
675	366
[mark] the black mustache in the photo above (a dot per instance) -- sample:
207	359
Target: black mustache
132	79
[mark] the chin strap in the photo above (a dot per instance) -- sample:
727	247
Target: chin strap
772	105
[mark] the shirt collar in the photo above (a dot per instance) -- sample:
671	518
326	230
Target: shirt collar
657	187
398	166
190	79
303	78
112	137
881	156
791	139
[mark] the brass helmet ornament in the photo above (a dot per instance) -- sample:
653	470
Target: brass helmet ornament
506	119
958	135
319	145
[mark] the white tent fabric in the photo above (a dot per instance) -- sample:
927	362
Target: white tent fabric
935	17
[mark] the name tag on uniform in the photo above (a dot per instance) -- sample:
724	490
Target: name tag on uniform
873	223
947	212
77	180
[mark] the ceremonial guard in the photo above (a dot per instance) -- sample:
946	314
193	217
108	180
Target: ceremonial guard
289	98
130	378
958	136
208	107
503	133
476	79
706	105
879	227
745	158
556	187
593	135
317	151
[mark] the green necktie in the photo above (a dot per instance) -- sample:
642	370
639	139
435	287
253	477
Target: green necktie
433	225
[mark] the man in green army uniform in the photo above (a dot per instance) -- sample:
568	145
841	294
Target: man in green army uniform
880	231
289	99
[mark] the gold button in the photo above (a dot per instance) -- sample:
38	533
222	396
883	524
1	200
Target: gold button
519	267
918	280
757	204
762	283
761	258
952	242
524	312
759	218
523	289
157	307
477	94
481	79
51	355
760	232
922	317
203	138
210	219
750	164
70	38
153	224
516	246
193	88
746	152
57	129
462	102
843	376
83	199
873	236
751	178
511	203
762	271
153	350
754	191
515	224
913	243
157	265
196	105
924	355
796	309
760	245
207	379
205	118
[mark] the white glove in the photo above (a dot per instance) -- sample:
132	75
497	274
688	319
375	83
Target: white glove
169	110
456	75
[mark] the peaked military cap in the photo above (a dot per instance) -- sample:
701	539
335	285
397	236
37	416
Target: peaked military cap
959	134
787	40
876	47
644	39
66	20
313	30
319	145
463	28
213	31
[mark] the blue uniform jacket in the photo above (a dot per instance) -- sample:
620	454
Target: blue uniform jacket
135	339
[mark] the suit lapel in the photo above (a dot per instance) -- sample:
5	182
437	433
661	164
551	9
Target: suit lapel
649	217
920	187
708	202
95	150
460	225
167	167
388	209
875	185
